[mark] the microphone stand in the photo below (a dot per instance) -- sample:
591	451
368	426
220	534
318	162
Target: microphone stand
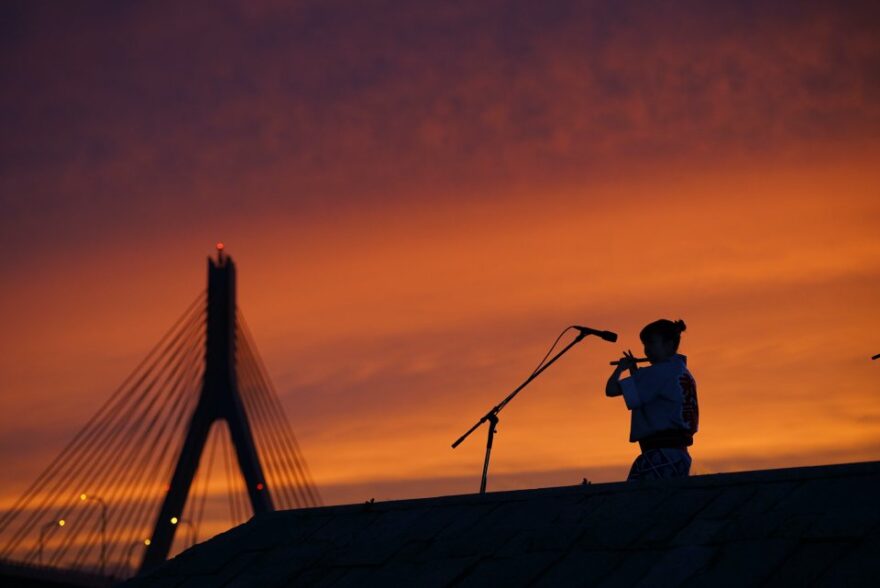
492	416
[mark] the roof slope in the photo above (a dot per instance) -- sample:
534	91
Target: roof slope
799	526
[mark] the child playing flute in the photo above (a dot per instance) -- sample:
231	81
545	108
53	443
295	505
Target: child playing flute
662	399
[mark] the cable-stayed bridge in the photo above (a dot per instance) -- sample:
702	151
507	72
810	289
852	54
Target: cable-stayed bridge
193	442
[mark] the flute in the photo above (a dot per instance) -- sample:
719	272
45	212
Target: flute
638	360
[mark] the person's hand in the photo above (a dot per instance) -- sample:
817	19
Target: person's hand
627	362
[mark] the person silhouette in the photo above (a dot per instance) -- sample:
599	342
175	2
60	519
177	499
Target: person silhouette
662	400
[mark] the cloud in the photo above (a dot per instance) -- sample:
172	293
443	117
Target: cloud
116	113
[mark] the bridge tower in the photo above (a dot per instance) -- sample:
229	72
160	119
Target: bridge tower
219	400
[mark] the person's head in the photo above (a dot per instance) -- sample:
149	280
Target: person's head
661	339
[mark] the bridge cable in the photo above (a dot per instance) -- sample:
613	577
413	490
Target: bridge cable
162	465
125	429
94	434
271	394
126	481
264	429
129	481
117	395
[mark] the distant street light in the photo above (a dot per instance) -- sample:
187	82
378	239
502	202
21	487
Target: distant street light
192	529
84	497
145	542
45	528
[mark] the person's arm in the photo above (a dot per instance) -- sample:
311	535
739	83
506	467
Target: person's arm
612	387
627	362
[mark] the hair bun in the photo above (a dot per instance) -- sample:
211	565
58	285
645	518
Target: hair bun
681	326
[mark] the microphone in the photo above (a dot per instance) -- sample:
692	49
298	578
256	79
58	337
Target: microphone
606	335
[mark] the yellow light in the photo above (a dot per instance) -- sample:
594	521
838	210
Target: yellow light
173	520
62	522
147	542
83	496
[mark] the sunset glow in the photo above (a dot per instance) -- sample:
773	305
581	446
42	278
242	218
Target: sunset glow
418	200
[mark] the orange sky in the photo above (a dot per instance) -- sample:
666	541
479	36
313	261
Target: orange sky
390	338
415	217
